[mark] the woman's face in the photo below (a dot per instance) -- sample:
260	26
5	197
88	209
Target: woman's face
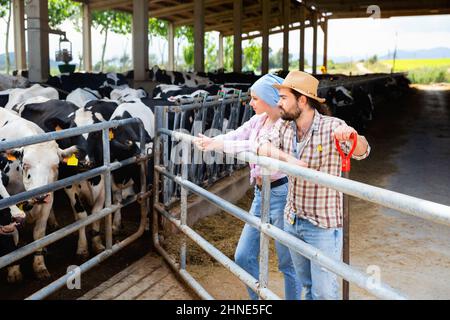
259	105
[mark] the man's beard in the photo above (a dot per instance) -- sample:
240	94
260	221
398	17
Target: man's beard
290	116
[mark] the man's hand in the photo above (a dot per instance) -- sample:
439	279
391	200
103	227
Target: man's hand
205	143
343	132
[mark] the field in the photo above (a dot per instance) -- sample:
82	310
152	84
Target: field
420	71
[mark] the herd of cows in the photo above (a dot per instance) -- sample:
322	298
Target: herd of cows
80	99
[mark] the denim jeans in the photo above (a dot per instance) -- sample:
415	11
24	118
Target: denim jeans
319	283
247	251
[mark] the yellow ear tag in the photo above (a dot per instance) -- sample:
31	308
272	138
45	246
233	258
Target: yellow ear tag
20	206
111	135
72	161
319	148
11	157
58	128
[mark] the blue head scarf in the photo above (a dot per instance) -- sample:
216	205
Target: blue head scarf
263	89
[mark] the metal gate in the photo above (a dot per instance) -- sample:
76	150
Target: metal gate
105	213
406	204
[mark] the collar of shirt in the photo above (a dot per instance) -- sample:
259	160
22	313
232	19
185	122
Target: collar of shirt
298	147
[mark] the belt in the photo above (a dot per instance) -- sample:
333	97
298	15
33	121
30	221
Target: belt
275	183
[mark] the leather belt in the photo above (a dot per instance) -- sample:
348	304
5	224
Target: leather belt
275	183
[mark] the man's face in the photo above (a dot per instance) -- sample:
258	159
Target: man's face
290	107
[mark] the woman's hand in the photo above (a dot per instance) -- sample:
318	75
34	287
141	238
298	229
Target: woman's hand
205	143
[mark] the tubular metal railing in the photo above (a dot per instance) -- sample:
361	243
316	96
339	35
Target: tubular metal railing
403	203
105	213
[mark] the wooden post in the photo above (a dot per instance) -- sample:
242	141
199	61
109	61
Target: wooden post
199	35
314	23
19	34
237	39
286	19
325	43
140	39
220	53
265	37
171	41
302	38
87	40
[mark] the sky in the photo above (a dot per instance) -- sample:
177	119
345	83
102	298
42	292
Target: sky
347	37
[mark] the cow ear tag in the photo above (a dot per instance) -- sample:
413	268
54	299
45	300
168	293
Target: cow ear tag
319	148
72	160
58	128
20	206
111	135
11	157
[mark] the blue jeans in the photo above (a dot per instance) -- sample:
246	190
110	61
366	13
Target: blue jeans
247	251
319	283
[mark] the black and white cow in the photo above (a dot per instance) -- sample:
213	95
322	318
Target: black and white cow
81	96
35	166
190	79
126	94
104	83
11	82
18	96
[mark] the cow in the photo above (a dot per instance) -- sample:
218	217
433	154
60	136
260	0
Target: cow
81	96
37	166
104	83
10	82
189	79
18	96
127	94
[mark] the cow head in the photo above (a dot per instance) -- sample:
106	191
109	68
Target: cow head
80	142
39	165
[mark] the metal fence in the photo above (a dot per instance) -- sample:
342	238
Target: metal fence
403	203
210	115
105	213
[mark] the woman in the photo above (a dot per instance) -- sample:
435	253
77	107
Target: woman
264	100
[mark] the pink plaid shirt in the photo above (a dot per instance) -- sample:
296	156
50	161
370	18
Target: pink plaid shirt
320	205
244	138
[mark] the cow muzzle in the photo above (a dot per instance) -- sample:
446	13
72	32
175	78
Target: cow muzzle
42	199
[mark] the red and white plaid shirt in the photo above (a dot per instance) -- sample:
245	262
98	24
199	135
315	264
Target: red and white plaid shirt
320	205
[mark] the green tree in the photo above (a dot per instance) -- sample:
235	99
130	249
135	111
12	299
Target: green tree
5	14
114	21
252	56
185	34
228	54
211	54
61	10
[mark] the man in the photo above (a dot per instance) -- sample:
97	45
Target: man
313	213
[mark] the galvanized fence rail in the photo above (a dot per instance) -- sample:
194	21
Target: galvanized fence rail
403	203
105	213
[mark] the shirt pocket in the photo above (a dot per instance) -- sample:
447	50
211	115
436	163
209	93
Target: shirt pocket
316	154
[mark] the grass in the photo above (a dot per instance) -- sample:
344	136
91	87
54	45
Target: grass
411	64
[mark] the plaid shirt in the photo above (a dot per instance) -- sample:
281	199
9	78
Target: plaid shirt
320	205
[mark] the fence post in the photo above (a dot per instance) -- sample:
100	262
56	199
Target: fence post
107	177
264	239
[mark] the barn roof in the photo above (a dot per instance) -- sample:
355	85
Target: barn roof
219	13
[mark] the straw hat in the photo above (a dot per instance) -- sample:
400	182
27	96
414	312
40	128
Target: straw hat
303	83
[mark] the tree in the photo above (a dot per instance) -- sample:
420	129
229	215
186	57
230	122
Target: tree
228	54
252	56
211	54
114	21
185	33
5	14
61	10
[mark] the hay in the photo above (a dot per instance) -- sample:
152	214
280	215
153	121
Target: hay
222	230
